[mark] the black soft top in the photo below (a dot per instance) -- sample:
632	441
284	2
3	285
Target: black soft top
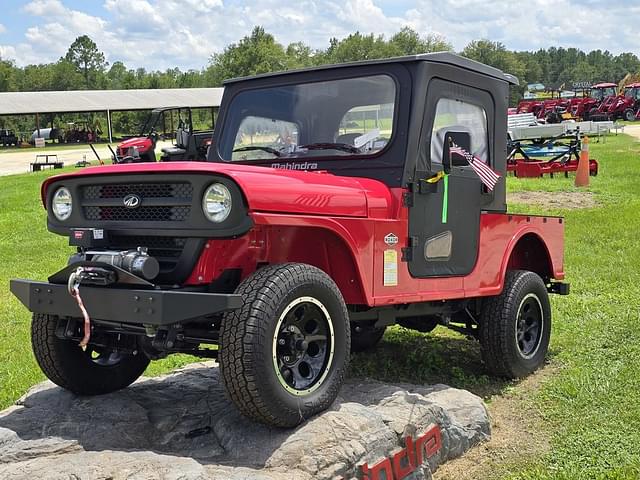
438	57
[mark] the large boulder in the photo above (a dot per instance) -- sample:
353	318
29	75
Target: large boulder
181	426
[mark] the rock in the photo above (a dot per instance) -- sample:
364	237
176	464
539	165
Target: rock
181	426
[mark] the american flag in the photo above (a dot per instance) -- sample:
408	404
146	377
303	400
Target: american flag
487	175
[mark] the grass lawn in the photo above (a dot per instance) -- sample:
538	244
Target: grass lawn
588	406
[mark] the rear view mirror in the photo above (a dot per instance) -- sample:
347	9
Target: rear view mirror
461	139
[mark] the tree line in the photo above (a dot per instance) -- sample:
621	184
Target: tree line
84	66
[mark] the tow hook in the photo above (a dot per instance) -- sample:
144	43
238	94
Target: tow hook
74	290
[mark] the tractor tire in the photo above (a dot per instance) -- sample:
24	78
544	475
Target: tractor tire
363	338
515	326
629	115
284	354
92	371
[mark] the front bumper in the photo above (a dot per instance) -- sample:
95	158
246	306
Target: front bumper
123	305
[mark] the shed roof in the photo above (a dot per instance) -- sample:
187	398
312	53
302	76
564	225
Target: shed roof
19	103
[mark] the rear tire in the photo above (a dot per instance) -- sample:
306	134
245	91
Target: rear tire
284	354
515	326
91	371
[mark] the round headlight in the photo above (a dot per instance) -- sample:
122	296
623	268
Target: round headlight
62	204
216	203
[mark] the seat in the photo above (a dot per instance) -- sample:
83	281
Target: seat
174	150
182	143
437	143
183	140
348	138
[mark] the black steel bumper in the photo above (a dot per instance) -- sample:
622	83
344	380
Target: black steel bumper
123	305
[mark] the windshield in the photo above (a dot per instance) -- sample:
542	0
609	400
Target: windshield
633	92
600	93
166	121
337	118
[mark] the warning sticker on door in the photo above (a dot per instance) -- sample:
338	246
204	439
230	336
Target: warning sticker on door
390	268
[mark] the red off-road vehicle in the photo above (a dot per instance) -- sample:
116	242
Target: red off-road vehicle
321	217
165	122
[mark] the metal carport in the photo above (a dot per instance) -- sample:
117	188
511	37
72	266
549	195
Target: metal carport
82	101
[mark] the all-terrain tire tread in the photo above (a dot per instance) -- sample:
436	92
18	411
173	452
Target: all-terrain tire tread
62	362
245	327
495	331
42	338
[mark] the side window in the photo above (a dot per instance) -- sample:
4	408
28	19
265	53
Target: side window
263	132
461	116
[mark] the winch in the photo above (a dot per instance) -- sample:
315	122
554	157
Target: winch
138	262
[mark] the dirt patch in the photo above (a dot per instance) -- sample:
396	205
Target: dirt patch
565	200
518	432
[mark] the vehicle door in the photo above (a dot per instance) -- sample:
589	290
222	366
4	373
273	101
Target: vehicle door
444	221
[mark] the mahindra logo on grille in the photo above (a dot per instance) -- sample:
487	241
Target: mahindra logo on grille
131	201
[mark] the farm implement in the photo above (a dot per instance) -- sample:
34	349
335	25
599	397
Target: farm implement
539	157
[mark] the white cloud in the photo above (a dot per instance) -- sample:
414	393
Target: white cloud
138	15
2	28
44	8
531	24
7	52
159	34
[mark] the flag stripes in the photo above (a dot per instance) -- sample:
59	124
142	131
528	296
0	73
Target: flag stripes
487	175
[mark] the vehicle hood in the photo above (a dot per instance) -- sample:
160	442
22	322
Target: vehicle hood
134	142
273	190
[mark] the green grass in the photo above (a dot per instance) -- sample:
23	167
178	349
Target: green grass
593	405
28	250
590	406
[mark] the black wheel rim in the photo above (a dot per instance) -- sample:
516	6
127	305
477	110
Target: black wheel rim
103	357
303	346
529	325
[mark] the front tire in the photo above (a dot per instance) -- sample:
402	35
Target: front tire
284	354
92	371
515	326
629	115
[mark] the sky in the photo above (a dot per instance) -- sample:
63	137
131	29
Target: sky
161	34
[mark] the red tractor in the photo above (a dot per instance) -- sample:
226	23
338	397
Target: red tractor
337	201
162	123
632	94
606	98
586	106
552	110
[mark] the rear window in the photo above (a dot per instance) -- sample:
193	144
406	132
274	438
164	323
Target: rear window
337	118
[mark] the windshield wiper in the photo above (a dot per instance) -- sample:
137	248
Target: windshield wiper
256	147
331	146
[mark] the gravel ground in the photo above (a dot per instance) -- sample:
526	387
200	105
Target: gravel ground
19	161
633	130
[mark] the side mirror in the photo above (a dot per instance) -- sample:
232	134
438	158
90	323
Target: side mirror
461	139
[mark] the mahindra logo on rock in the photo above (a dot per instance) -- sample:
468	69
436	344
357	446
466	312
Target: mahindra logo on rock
131	201
404	461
